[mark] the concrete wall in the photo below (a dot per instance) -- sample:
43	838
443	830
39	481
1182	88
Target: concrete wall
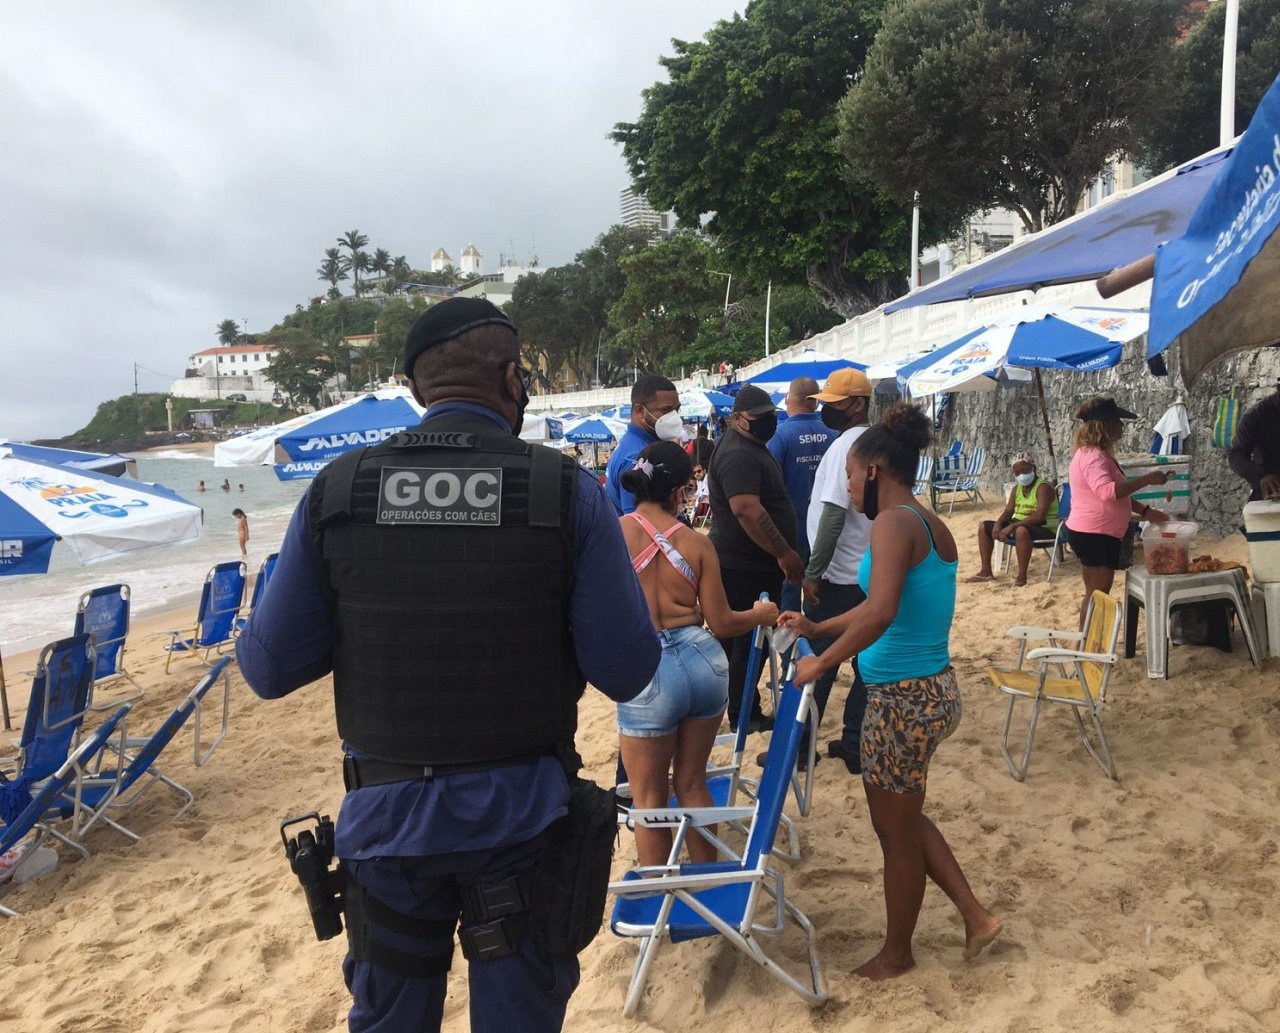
1008	420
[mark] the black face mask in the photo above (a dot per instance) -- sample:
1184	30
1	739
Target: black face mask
762	428
521	406
870	497
836	418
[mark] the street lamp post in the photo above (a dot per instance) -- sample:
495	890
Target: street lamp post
728	285
1227	111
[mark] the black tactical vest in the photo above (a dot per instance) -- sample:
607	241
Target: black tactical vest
449	553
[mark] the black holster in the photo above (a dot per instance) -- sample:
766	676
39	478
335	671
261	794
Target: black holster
572	877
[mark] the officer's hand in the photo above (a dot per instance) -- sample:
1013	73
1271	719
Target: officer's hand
792	567
810	591
765	613
1269	486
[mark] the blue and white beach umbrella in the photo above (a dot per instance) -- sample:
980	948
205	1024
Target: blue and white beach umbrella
97	515
1216	286
596	430
1079	338
301	447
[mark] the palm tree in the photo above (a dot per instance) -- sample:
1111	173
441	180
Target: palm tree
228	332
353	241
333	268
359	264
381	261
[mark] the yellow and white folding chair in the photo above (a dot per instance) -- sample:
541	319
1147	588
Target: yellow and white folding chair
1075	676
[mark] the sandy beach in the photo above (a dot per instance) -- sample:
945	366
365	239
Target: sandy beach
1142	904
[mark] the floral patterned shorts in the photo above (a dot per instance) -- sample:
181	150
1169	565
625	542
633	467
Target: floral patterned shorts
904	723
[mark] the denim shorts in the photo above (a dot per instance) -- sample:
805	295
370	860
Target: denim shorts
692	681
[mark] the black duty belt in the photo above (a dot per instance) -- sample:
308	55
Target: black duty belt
360	774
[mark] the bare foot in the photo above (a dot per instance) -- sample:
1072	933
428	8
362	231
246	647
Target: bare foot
880	968
981	936
977	579
1020	583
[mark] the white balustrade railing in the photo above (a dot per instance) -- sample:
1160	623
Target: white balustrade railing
874	337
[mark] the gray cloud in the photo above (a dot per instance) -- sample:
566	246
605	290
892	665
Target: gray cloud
167	166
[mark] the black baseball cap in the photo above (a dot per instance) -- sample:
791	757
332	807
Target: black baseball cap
753	401
446	320
1106	409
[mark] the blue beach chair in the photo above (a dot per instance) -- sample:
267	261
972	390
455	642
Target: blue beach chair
60	694
106	788
220	601
103	614
265	570
42	808
689	901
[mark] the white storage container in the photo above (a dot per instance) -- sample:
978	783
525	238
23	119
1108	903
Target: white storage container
1172	497
1262	530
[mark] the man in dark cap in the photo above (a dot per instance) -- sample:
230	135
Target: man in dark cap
753	526
460	585
1255	451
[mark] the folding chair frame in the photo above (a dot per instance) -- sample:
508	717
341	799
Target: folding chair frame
1062	657
119	670
676	886
191	646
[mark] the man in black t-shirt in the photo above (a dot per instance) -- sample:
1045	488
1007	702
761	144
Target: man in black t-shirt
753	526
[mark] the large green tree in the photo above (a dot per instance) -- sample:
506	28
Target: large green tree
1186	123
563	312
669	300
1005	103
745	127
301	366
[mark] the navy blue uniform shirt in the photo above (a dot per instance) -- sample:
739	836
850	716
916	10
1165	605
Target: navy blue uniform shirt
799	445
633	442
288	643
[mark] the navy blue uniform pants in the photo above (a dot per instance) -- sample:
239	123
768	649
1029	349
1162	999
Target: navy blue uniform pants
834	600
524	992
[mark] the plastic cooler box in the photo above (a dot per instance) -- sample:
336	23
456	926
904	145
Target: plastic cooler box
1166	548
1262	531
1172	497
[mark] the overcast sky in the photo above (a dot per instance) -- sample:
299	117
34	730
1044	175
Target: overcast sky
165	166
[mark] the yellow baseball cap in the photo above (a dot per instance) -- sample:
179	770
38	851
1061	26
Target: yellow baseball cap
844	383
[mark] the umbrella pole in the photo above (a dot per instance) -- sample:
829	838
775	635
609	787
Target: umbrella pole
4	698
933	473
1048	432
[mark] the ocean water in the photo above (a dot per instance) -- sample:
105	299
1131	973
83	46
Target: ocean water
35	610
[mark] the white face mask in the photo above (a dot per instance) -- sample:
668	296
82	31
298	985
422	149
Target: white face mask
1026	479
668	426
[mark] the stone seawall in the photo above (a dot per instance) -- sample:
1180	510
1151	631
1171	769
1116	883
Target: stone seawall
1008	420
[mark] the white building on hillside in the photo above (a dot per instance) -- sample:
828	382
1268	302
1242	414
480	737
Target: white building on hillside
237	369
439	259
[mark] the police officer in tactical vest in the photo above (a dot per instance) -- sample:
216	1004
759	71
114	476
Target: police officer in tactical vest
461	586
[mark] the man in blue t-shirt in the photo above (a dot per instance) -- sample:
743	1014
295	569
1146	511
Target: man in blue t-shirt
799	445
655	414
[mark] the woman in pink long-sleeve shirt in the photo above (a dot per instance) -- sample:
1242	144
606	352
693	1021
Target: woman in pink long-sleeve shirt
1102	500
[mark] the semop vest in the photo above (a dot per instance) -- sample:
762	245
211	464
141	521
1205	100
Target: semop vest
448	555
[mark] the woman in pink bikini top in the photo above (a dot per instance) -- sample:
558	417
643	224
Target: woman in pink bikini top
675	719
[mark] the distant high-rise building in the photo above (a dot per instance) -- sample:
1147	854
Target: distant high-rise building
637	213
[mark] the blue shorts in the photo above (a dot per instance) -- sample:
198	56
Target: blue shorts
692	681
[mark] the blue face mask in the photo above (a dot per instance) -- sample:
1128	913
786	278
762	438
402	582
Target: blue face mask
1026	479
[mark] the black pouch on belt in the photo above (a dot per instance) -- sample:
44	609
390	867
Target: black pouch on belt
572	878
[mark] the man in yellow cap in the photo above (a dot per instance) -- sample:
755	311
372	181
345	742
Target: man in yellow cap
838	536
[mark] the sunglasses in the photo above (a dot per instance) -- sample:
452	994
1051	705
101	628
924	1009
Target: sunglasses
525	375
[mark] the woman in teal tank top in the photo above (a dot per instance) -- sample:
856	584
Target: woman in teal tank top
901	636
